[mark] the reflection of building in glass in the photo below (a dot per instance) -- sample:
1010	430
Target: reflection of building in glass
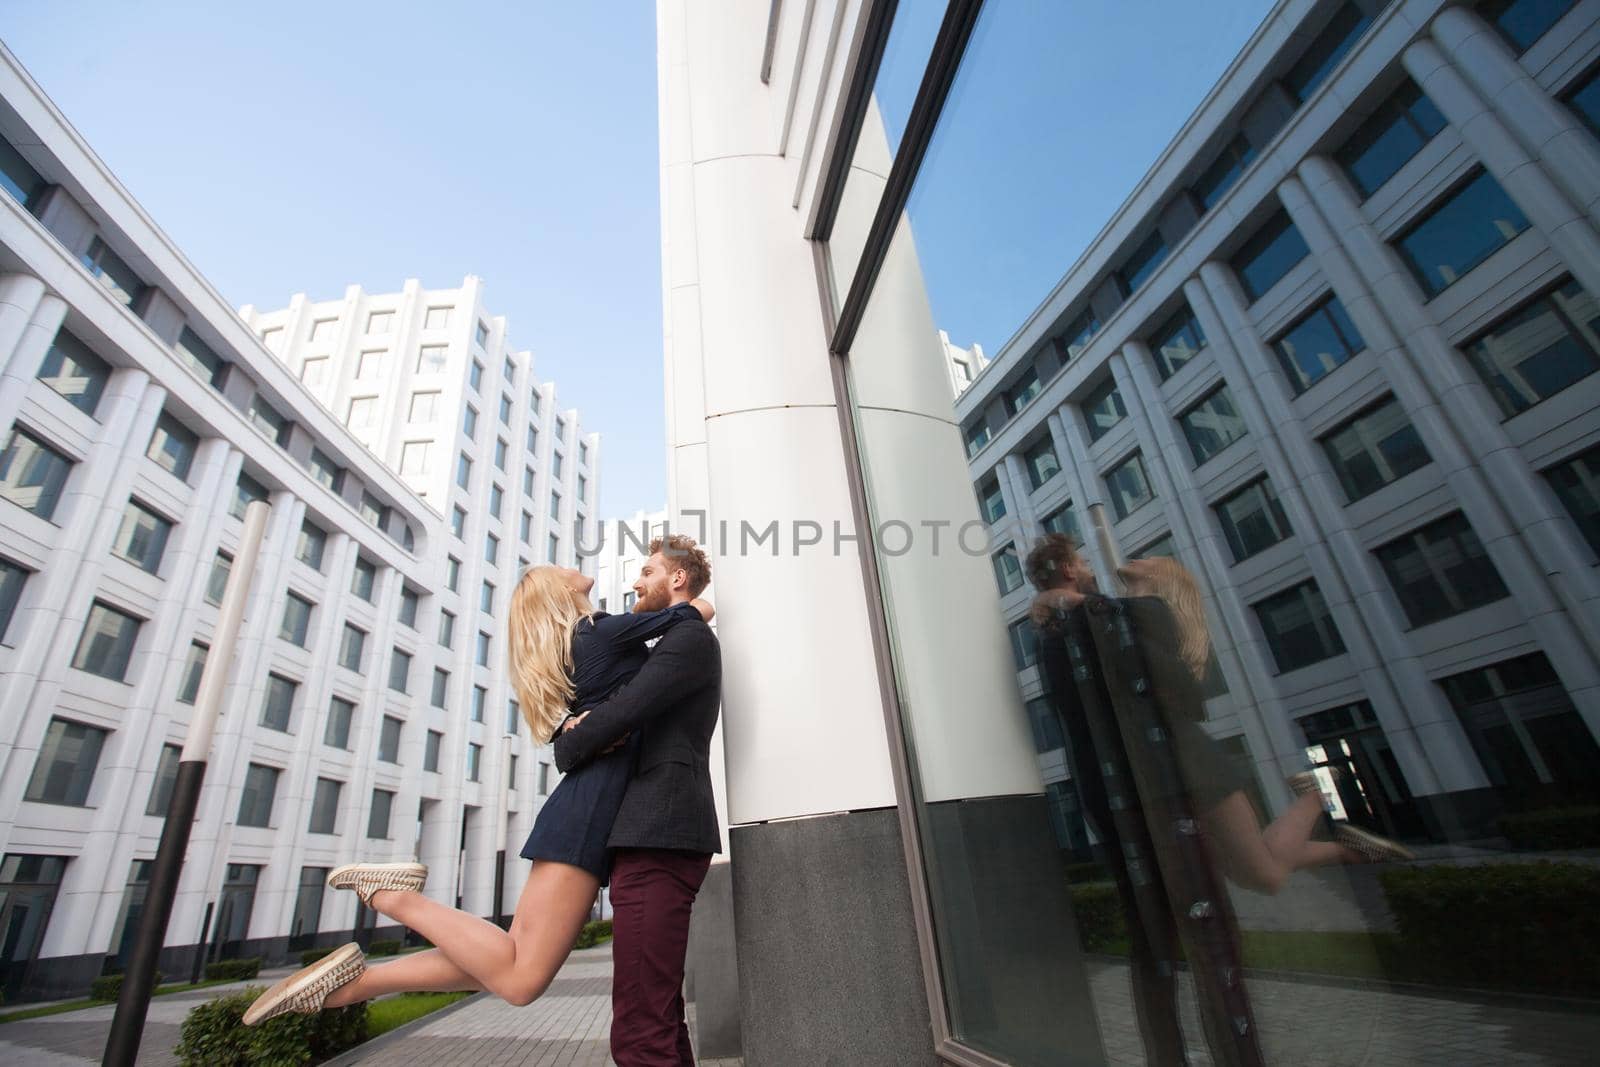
965	363
1357	400
367	708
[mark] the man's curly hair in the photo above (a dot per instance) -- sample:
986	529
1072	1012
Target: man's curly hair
682	553
1051	560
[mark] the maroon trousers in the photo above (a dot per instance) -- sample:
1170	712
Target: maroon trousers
652	894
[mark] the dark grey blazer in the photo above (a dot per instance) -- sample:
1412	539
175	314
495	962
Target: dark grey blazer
673	701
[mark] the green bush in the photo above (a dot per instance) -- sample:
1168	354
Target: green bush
1552	828
214	1035
312	955
234	970
1078	873
593	934
384	947
1098	910
109	986
1516	925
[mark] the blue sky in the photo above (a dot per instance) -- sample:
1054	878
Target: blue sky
299	147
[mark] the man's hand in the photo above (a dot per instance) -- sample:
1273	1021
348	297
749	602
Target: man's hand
576	719
1048	603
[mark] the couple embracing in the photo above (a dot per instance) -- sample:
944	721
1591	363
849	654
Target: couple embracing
631	727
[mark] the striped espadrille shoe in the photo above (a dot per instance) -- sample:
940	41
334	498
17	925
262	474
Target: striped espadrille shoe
367	878
305	990
1370	846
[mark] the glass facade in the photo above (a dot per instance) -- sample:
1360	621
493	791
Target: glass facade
1462	231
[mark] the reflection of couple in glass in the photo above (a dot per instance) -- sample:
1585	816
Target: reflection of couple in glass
632	729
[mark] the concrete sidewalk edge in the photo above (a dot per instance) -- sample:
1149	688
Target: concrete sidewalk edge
399	1033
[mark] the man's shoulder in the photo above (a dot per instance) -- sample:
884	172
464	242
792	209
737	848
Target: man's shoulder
690	633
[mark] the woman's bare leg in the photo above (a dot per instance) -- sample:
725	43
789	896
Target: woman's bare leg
473	953
1263	859
1289	836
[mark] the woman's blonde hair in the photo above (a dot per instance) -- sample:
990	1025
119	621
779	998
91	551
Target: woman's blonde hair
544	609
1172	582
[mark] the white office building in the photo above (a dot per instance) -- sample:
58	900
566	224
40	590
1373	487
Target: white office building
366	715
616	563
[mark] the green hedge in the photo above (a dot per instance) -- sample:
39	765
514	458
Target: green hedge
1078	873
1516	925
312	955
384	947
214	1035
593	934
1098	910
1552	828
109	986
234	970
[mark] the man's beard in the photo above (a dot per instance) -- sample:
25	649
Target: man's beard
655	600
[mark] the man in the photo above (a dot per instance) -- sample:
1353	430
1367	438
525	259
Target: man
666	830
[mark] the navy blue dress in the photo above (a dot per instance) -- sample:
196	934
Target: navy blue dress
573	825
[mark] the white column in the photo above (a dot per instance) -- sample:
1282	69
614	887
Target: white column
29	319
1071	443
1561	220
1565	149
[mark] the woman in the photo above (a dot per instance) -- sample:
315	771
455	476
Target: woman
564	656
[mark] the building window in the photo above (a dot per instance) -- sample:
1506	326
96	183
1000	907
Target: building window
480	696
324	471
482	658
370	363
12	579
1317	344
1022	390
555	548
217	582
491	548
363	413
976	437
389	740
269	421
475	377
1274	250
437	318
1440	570
414	457
583	454
991	501
424	407
1298	627
505	409
67	760
364	578
200	357
32	474
173	445
1522	724
378	818
1076	337
1576	481
1178	341
432	359
246	491
1252	519
314	371
447	629
469	422
1522	22
555	505
110	271
1375	448
379	321
1539	350
296	625
1161	547
509	370
311	544
1212	425
325	806
1383	144
399	670
193	667
500	449
1223	172
430	751
75	372
336	734
1330	46
526	531
441	687
544	779
18	178
481	336
1024	644
452	574
166	777
474	762
561	428
1063	521
583	487
278	706
497	499
511	770
629	599
1584	100
513	717
458	521
1142	263
255	799
527	481
1460	232
1007	569
1103	409
463	471
409	602
1128	486
142	537
486	598
106	647
352	648
1041	462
